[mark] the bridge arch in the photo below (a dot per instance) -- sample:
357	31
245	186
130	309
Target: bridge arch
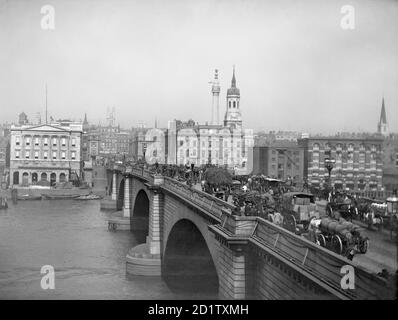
139	217
188	263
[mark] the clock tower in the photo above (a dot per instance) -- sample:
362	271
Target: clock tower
233	117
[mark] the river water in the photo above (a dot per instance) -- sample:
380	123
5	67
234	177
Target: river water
72	236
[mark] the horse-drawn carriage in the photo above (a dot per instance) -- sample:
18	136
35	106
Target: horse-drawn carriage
341	236
297	209
372	212
346	210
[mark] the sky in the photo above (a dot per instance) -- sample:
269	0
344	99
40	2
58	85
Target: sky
296	67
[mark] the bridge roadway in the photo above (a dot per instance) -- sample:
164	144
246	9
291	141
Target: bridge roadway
382	252
263	260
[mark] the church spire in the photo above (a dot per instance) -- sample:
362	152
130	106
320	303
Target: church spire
233	82
383	117
382	126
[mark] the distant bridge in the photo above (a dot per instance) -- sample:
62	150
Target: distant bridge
189	233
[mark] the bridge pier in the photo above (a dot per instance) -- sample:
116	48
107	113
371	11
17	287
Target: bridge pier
126	200
232	278
145	258
114	183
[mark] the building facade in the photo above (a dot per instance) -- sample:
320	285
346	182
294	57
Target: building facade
49	152
283	160
226	144
358	161
390	162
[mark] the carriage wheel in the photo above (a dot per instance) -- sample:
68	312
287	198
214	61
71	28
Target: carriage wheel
363	246
337	245
321	239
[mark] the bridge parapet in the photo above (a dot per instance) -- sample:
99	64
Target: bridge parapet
324	264
202	199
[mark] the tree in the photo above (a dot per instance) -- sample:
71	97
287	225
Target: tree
217	176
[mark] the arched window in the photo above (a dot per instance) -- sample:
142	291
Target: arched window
234	104
43	176
34	177
62	177
25	178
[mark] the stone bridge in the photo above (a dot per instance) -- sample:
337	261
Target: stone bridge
190	235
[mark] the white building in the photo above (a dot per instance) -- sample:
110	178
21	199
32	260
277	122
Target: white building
226	144
48	152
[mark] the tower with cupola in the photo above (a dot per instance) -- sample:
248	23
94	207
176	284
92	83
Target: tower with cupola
233	117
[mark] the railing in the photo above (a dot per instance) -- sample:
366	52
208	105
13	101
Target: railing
381	195
202	199
322	263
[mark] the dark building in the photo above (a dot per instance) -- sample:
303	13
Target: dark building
281	160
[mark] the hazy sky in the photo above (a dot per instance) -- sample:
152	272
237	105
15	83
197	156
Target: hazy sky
297	69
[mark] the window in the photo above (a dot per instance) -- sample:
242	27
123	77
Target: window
73	142
36	141
234	104
45	155
27	154
36	154
209	143
63	156
46	141
63	142
27	141
73	155
181	143
203	154
17	154
17	141
54	155
54	141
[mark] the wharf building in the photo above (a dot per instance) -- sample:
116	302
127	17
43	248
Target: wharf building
48	152
358	161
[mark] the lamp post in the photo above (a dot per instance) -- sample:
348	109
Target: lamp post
329	164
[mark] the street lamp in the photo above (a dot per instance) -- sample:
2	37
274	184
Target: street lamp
329	164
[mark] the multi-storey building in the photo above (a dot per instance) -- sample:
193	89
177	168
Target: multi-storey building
226	145
390	162
49	152
358	161
281	160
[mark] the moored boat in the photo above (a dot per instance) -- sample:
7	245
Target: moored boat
59	196
89	197
29	197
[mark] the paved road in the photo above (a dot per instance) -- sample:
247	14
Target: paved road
382	252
